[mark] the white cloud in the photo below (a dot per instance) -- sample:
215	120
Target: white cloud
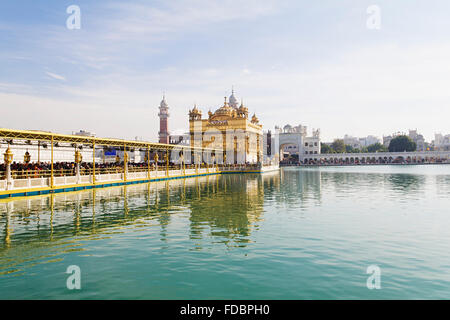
55	76
142	18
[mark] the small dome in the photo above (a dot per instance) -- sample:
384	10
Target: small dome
255	119
233	101
163	103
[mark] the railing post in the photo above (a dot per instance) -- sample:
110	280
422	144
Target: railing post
51	165
78	159
148	162
39	152
93	160
167	162
197	164
8	157
182	165
125	163
156	158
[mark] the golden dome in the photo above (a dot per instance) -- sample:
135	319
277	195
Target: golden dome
225	109
255	120
195	114
242	111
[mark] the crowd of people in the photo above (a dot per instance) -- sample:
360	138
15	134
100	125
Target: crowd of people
21	166
69	168
42	169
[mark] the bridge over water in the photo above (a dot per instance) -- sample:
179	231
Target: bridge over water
377	157
162	162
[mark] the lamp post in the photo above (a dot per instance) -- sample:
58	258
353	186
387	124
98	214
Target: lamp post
8	157
147	159
39	152
156	162
167	162
78	159
125	164
199	158
27	157
182	162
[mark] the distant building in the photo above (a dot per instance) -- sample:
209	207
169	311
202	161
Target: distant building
418	139
293	141
352	141
441	142
368	141
387	139
267	142
163	121
413	135
84	133
358	143
180	139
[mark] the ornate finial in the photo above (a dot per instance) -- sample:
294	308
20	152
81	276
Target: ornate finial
232	89
254	119
27	157
8	156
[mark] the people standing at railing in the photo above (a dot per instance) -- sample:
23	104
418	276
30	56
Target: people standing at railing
64	168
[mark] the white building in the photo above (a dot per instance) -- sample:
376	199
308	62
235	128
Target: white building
352	141
387	139
183	139
294	141
84	133
441	142
359	143
418	139
368	141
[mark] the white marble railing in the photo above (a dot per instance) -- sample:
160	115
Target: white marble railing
31	183
69	181
377	155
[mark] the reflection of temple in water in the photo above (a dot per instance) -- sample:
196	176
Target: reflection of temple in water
300	186
226	207
231	209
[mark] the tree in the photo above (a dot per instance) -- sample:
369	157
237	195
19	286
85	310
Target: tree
377	147
338	146
350	149
325	148
402	143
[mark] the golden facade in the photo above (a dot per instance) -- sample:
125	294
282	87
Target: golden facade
230	130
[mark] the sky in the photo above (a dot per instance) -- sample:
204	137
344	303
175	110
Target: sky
315	63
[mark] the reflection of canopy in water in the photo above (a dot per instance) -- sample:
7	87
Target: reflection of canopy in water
54	217
230	212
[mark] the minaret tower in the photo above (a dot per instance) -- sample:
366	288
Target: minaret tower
163	121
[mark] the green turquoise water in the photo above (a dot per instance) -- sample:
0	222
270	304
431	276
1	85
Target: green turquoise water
306	233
